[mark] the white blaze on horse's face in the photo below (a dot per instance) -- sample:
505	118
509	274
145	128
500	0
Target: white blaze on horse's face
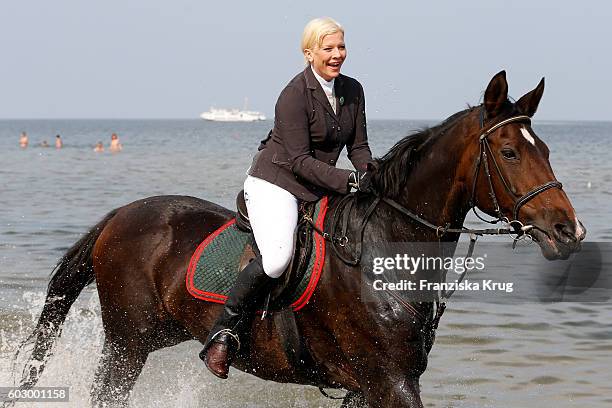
527	135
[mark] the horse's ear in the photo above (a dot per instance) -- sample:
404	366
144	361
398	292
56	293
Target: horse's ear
496	94
528	104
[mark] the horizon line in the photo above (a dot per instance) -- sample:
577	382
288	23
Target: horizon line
271	120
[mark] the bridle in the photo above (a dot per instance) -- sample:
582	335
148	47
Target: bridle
514	226
483	160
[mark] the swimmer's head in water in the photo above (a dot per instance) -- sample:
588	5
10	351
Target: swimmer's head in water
114	136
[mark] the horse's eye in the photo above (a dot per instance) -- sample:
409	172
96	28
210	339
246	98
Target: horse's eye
509	154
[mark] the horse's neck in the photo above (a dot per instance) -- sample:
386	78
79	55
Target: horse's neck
435	190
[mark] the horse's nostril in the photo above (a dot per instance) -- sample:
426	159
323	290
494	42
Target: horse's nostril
566	231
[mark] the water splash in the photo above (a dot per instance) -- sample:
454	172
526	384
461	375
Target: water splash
172	377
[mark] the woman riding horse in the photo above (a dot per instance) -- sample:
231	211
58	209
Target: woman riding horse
486	157
318	113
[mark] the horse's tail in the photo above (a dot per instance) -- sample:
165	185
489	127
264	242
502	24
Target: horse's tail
70	276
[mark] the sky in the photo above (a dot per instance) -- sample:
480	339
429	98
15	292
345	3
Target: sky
415	59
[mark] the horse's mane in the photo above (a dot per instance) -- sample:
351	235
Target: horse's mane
395	166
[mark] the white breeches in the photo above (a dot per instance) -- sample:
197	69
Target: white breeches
273	213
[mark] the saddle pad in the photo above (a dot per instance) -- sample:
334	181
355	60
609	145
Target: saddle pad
213	268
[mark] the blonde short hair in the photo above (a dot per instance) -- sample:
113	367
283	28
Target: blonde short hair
316	30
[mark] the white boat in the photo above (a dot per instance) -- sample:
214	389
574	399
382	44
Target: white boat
232	115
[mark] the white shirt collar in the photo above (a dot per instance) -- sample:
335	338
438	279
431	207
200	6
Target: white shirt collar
328	86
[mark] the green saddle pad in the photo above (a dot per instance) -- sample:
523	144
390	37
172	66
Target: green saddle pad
214	265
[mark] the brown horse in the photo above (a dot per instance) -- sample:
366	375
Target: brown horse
138	256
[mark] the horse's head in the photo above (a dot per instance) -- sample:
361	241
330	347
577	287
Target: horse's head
513	178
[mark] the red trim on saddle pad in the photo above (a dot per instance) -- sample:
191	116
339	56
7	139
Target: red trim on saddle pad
319	248
319	259
193	263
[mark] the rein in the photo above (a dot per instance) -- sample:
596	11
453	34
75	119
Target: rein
515	227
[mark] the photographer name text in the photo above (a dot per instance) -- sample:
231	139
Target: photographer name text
426	285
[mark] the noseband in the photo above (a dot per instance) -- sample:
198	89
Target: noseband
484	162
515	227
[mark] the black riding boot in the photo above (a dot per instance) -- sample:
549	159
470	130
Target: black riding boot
250	288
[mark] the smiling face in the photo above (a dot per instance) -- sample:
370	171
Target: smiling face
327	58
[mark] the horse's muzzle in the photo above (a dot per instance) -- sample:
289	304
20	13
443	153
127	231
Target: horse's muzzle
560	240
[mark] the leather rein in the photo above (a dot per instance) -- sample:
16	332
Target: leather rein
514	226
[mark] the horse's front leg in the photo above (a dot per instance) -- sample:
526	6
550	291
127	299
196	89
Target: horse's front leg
394	380
405	393
392	392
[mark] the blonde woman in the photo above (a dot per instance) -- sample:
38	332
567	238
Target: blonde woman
318	113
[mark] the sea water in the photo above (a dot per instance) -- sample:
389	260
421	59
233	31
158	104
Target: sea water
485	355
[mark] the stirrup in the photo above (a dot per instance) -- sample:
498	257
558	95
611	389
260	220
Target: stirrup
228	332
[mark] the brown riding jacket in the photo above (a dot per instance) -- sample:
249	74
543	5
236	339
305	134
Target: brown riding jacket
301	151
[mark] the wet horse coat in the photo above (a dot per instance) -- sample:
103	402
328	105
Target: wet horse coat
144	248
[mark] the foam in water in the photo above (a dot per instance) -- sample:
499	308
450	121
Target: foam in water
172	377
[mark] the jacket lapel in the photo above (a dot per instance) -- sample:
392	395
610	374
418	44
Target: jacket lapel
319	94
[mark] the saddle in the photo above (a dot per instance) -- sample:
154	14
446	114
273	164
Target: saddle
242	213
294	273
216	262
